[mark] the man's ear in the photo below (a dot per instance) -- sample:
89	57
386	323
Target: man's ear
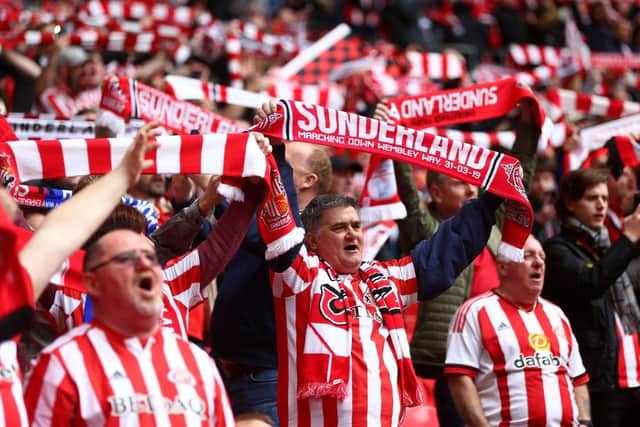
310	180
436	194
311	241
91	283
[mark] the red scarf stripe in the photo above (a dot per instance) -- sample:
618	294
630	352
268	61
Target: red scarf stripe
234	165
99	156
191	157
52	150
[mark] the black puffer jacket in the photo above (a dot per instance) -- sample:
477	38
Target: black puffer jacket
578	279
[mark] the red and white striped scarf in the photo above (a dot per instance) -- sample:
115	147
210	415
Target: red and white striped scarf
232	156
129	99
568	100
468	104
498	173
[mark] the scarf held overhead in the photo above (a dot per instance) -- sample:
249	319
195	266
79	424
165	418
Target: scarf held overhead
498	173
234	156
128	99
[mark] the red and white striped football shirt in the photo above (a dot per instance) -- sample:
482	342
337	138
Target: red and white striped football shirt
524	364
12	411
628	357
93	376
373	393
181	292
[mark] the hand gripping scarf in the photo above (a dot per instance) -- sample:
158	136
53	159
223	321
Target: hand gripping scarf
498	173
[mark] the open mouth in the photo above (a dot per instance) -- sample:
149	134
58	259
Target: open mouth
351	247
146	284
536	276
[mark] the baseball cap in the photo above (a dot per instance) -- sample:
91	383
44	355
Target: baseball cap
73	56
342	163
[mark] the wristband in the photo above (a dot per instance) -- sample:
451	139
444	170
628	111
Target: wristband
586	423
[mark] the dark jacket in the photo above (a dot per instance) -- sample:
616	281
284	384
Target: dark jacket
578	280
243	319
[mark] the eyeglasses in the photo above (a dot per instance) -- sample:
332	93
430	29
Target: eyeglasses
130	259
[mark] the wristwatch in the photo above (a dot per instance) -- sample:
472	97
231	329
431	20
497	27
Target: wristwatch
585	423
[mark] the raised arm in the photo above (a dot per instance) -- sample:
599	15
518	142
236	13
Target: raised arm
67	227
459	239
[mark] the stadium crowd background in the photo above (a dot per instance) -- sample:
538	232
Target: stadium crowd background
55	55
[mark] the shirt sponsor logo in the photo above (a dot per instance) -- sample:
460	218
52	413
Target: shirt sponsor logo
149	403
537	360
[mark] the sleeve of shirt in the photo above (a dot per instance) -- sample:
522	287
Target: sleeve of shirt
298	276
183	278
464	343
50	397
457	242
403	274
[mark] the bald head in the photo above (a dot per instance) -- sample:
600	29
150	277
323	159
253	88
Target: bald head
311	166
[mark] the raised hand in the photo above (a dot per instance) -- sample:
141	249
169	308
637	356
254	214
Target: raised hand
133	162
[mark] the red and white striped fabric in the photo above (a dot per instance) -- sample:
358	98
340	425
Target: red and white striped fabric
522	55
540	74
233	49
12	410
94	377
60	103
332	95
563	59
185	88
437	66
219	154
372	397
29	38
255	40
181	292
592	104
128	98
160	12
628	358
524	364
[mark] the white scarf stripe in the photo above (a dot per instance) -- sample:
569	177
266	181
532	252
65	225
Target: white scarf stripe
76	161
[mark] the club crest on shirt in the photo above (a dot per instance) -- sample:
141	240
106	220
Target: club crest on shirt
539	342
332	305
181	377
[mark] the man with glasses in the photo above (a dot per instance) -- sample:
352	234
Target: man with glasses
123	365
